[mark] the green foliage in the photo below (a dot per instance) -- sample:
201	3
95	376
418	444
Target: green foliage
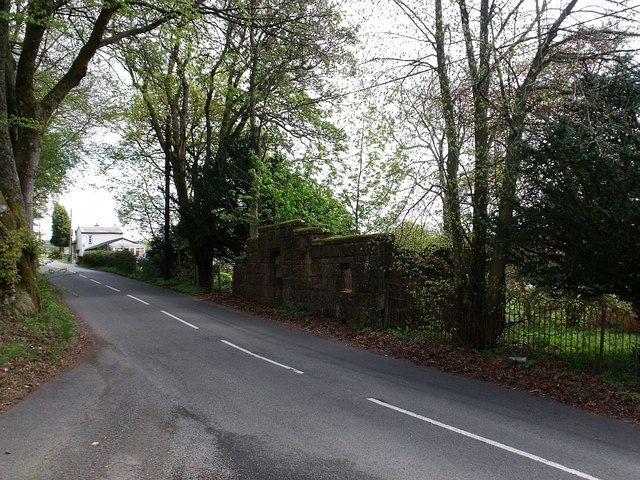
213	221
187	288
578	217
44	336
148	269
59	156
371	178
26	122
238	100
287	194
404	333
57	255
295	313
146	274
122	261
60	226
182	265
414	237
15	349
11	250
427	286
226	281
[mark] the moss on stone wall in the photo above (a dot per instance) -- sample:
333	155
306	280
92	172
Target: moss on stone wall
309	231
276	226
342	239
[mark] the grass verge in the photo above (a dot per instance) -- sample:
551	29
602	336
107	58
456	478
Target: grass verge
176	285
34	347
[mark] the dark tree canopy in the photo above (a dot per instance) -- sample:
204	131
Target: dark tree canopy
578	218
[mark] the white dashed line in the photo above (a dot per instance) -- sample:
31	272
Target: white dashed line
485	440
95	281
137	299
286	367
111	288
180	320
82	276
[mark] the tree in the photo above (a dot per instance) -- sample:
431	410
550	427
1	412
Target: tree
577	220
242	83
371	173
60	227
57	161
286	194
42	61
66	144
505	49
175	100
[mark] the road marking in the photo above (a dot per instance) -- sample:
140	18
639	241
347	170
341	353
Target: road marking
111	288
286	367
136	298
180	320
95	281
83	276
485	440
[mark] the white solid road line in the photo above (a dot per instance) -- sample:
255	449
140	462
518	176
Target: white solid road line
137	299
111	288
286	367
180	320
485	440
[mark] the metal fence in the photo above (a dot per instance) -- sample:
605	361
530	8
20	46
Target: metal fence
603	334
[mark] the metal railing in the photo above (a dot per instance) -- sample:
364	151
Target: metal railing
602	332
605	334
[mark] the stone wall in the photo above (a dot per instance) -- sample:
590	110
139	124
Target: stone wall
296	266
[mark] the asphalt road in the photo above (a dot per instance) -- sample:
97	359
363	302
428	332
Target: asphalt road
179	389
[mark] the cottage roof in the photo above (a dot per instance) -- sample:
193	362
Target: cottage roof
120	242
96	229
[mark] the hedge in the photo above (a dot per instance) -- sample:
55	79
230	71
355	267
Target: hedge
122	260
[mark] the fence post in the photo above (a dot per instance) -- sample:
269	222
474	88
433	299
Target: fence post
603	320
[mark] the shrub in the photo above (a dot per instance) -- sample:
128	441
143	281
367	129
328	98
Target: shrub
226	279
148	269
56	254
122	261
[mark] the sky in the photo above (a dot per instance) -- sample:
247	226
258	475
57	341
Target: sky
88	205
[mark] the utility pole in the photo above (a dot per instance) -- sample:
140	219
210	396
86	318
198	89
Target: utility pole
71	236
166	265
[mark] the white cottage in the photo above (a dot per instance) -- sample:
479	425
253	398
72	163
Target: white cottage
103	238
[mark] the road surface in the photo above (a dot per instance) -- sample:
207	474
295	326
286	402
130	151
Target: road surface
180	389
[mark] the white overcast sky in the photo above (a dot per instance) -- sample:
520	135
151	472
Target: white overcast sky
383	27
88	206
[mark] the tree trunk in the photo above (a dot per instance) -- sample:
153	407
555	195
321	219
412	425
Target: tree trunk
11	200
13	230
27	157
166	264
497	268
451	194
476	326
254	127
452	216
204	267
